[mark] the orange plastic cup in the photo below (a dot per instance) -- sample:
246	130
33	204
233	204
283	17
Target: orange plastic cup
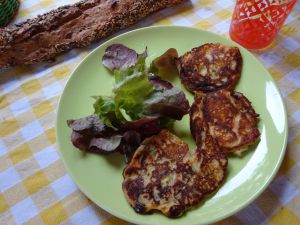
255	23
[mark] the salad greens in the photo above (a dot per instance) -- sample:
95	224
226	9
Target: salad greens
140	105
134	95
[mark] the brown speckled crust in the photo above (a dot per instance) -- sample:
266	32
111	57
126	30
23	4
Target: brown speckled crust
230	117
210	67
72	26
164	175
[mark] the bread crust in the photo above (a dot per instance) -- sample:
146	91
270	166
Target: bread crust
72	26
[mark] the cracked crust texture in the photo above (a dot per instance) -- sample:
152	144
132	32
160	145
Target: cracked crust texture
72	26
210	67
164	175
230	118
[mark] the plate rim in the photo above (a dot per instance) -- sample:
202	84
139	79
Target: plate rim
209	221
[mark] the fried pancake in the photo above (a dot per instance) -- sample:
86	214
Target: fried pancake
210	67
164	175
230	117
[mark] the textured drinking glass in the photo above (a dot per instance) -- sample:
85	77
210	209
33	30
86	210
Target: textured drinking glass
255	23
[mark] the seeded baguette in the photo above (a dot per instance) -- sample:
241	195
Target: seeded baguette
72	26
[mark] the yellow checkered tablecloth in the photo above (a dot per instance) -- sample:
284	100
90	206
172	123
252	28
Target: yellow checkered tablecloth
34	185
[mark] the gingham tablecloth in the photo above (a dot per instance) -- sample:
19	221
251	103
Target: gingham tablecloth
34	185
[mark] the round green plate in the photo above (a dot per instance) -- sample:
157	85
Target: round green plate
100	176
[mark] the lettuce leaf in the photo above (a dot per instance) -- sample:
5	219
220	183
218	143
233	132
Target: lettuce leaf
171	103
130	94
105	108
105	145
118	56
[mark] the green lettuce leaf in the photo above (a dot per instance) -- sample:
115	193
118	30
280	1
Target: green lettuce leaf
140	67
130	94
105	108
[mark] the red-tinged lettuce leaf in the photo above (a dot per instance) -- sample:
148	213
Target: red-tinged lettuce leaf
80	141
146	126
105	145
131	141
159	83
132	137
90	124
167	101
137	124
171	103
169	112
118	56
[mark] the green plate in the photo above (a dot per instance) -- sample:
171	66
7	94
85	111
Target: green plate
100	177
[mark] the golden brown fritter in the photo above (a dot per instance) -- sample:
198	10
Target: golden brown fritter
210	67
230	118
164	175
